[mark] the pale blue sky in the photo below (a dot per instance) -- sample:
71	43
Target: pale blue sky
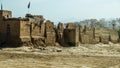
65	10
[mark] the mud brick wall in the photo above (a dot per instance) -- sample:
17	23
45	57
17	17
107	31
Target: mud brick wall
5	14
104	39
50	35
25	28
59	33
50	38
107	35
71	36
70	26
114	37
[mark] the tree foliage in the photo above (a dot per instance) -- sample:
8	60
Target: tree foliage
110	23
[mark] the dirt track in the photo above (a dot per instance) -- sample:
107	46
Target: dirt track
14	60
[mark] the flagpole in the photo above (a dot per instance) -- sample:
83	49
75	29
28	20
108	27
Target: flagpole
28	7
28	10
1	7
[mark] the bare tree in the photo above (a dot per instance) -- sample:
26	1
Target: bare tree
113	24
93	22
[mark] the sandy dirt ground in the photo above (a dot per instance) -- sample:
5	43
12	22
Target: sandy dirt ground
83	56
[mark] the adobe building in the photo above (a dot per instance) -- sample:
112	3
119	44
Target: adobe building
15	31
87	35
35	31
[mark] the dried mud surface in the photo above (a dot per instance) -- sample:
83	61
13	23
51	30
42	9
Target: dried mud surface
73	57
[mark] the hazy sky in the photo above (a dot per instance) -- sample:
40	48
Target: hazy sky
65	10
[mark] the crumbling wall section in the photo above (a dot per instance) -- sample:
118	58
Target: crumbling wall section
50	35
71	34
59	33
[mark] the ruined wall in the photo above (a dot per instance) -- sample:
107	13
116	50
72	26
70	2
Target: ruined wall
4	14
2	30
107	35
25	31
42	29
38	30
70	26
59	32
50	35
97	35
114	37
71	34
33	28
86	37
11	32
14	27
37	25
9	29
